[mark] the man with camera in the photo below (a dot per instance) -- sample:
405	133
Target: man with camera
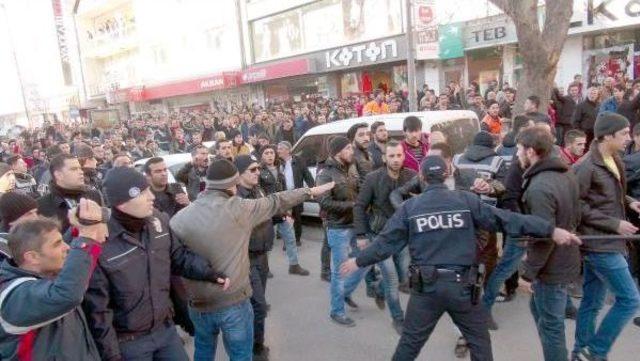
47	272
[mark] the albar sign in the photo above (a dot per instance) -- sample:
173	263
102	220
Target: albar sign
362	54
212	83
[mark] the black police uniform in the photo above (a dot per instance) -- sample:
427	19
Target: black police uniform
439	227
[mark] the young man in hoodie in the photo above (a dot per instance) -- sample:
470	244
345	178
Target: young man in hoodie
550	191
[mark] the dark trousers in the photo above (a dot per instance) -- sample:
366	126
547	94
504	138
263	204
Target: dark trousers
488	243
561	130
425	309
511	284
180	300
325	255
159	345
296	213
259	268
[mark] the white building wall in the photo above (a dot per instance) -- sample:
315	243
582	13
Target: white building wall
570	62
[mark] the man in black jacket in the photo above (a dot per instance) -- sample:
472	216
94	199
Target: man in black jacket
604	203
371	212
127	303
168	198
295	173
359	136
193	173
584	116
550	191
66	188
260	243
337	206
376	147
566	106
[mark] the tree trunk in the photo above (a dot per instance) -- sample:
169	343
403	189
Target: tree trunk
540	46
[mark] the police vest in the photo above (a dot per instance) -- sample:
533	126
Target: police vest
468	170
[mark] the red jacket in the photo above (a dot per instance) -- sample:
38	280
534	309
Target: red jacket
410	160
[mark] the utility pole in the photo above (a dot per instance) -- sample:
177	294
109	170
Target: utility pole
411	61
15	60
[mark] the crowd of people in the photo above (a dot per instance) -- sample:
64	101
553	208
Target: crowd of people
117	257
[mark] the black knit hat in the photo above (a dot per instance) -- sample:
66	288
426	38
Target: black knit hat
337	144
243	162
123	184
14	205
608	123
433	169
222	175
484	139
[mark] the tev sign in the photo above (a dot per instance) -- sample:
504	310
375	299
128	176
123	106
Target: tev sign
362	54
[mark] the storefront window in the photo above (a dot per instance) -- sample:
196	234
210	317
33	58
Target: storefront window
610	55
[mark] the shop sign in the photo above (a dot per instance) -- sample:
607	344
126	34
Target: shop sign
593	15
425	29
450	41
275	71
214	82
491	31
378	51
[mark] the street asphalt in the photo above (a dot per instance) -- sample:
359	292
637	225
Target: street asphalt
298	327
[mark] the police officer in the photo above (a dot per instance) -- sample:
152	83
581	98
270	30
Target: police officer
439	226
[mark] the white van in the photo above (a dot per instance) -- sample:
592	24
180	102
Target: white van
458	126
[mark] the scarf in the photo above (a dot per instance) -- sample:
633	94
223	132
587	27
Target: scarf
132	224
67	193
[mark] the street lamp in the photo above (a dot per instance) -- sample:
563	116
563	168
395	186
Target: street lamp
15	60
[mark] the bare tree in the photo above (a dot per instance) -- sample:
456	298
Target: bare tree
540	46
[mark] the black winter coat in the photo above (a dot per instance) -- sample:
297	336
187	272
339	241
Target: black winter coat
337	204
550	191
373	200
262	235
128	294
603	200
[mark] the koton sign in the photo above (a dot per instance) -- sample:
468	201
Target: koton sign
361	54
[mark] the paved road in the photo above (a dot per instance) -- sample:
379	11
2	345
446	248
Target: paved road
299	329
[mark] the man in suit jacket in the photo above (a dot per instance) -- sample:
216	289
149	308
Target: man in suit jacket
295	173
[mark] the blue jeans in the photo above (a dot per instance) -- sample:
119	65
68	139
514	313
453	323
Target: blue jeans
511	256
285	229
604	271
236	324
548	304
390	288
340	241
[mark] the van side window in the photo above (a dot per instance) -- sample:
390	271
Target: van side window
312	150
459	132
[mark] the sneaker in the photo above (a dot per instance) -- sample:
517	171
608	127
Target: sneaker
343	321
260	352
398	326
350	302
636	321
380	301
505	297
297	270
492	324
586	355
462	349
371	292
325	277
571	313
269	274
404	288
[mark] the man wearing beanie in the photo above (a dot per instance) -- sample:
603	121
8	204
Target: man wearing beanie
128	305
218	225
65	190
14	207
438	227
337	206
602	184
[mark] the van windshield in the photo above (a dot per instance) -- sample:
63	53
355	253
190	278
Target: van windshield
459	134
